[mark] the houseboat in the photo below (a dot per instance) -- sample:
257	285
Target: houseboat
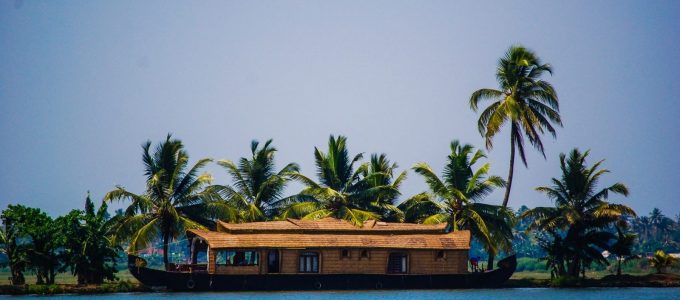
324	254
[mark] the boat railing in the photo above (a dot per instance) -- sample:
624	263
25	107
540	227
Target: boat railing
188	268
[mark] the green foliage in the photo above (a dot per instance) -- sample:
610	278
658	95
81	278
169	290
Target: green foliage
529	264
454	199
578	222
257	189
525	101
176	199
88	252
661	261
44	289
657	232
343	192
30	243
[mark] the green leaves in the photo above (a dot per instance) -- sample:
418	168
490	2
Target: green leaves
453	198
343	192
581	215
257	188
87	250
175	198
528	103
660	261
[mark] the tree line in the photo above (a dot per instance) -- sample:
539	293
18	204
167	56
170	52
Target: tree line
78	242
179	196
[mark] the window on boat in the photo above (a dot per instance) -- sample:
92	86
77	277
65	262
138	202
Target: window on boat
441	254
309	262
237	258
397	263
345	253
364	254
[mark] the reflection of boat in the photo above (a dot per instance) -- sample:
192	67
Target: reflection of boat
325	254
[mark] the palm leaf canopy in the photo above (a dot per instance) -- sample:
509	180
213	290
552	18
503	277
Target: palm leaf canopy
455	198
523	99
177	197
257	190
577	199
581	217
344	192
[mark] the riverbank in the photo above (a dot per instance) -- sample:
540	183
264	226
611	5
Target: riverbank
650	280
53	289
625	280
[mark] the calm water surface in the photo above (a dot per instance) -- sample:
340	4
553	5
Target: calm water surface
526	294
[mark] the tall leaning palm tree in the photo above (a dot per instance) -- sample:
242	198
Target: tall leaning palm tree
581	211
175	199
523	100
258	188
455	199
342	191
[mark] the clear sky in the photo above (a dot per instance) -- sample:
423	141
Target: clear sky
84	83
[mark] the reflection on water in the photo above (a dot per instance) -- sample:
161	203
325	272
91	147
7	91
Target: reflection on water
498	294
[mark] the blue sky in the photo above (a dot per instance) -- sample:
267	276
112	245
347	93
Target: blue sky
84	83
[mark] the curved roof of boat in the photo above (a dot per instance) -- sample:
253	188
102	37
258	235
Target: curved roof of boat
457	240
328	225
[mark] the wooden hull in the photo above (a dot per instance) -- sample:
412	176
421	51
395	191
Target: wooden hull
182	281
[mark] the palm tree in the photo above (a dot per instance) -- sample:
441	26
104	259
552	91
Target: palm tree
257	190
175	199
88	251
581	211
342	192
556	252
455	197
656	219
660	261
525	101
379	171
623	248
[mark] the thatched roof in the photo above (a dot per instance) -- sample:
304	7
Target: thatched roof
448	241
332	233
329	225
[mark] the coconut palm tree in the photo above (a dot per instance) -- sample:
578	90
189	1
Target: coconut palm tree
455	199
258	188
175	199
342	192
623	248
581	212
379	171
556	252
523	100
661	260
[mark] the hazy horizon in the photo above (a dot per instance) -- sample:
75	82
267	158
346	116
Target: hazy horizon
83	85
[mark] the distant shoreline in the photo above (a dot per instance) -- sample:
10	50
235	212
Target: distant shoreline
611	281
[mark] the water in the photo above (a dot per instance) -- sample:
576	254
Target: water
498	294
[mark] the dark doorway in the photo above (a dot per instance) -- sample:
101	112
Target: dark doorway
273	261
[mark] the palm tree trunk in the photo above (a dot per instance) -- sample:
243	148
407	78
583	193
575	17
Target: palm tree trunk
511	170
507	189
489	262
618	269
165	250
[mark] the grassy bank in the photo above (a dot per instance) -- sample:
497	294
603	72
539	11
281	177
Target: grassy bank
62	278
625	280
121	286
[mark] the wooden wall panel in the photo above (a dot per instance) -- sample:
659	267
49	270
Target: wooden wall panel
211	261
331	262
426	262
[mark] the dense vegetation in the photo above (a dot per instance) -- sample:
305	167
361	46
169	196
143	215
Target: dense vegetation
80	242
568	238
